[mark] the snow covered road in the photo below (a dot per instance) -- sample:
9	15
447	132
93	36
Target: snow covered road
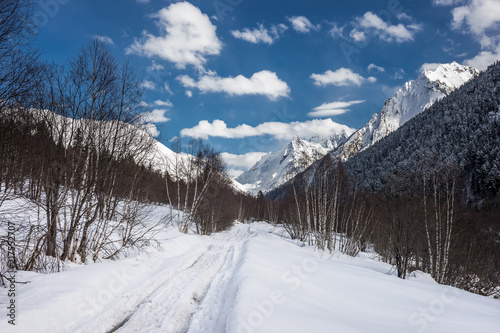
193	299
245	280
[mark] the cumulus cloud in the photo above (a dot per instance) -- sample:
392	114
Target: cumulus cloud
302	24
104	39
148	85
358	36
332	109
264	83
375	67
484	58
151	130
372	23
261	34
166	103
341	77
187	37
480	17
278	130
155	116
245	161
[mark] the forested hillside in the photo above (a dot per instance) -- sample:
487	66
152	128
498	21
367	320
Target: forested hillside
425	196
460	132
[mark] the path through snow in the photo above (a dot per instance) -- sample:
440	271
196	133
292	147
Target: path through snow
192	299
244	280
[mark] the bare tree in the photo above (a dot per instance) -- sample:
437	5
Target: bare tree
439	224
18	60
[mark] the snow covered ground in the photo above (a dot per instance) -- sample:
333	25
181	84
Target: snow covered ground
246	279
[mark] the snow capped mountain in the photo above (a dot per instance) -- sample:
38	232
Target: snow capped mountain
411	99
275	169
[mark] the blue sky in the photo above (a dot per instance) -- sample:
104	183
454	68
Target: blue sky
248	75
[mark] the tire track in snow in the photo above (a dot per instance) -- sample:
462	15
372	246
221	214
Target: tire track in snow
120	309
196	299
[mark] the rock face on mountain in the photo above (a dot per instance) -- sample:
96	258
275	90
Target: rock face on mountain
411	99
276	168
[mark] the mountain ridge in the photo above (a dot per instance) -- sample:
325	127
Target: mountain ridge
274	169
411	99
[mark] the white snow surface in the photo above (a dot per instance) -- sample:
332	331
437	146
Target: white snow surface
250	278
411	99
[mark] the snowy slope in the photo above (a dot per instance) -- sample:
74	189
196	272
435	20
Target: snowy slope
164	159
274	169
159	156
411	99
247	279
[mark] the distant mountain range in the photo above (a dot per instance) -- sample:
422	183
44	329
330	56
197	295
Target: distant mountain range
274	169
415	96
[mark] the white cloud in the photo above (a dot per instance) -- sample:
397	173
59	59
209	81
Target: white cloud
373	66
155	67
242	161
187	36
167	88
261	83
484	58
403	16
104	39
336	31
358	36
446	2
149	85
166	103
261	34
302	24
400	33
341	77
480	17
151	129
332	109
155	116
278	130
